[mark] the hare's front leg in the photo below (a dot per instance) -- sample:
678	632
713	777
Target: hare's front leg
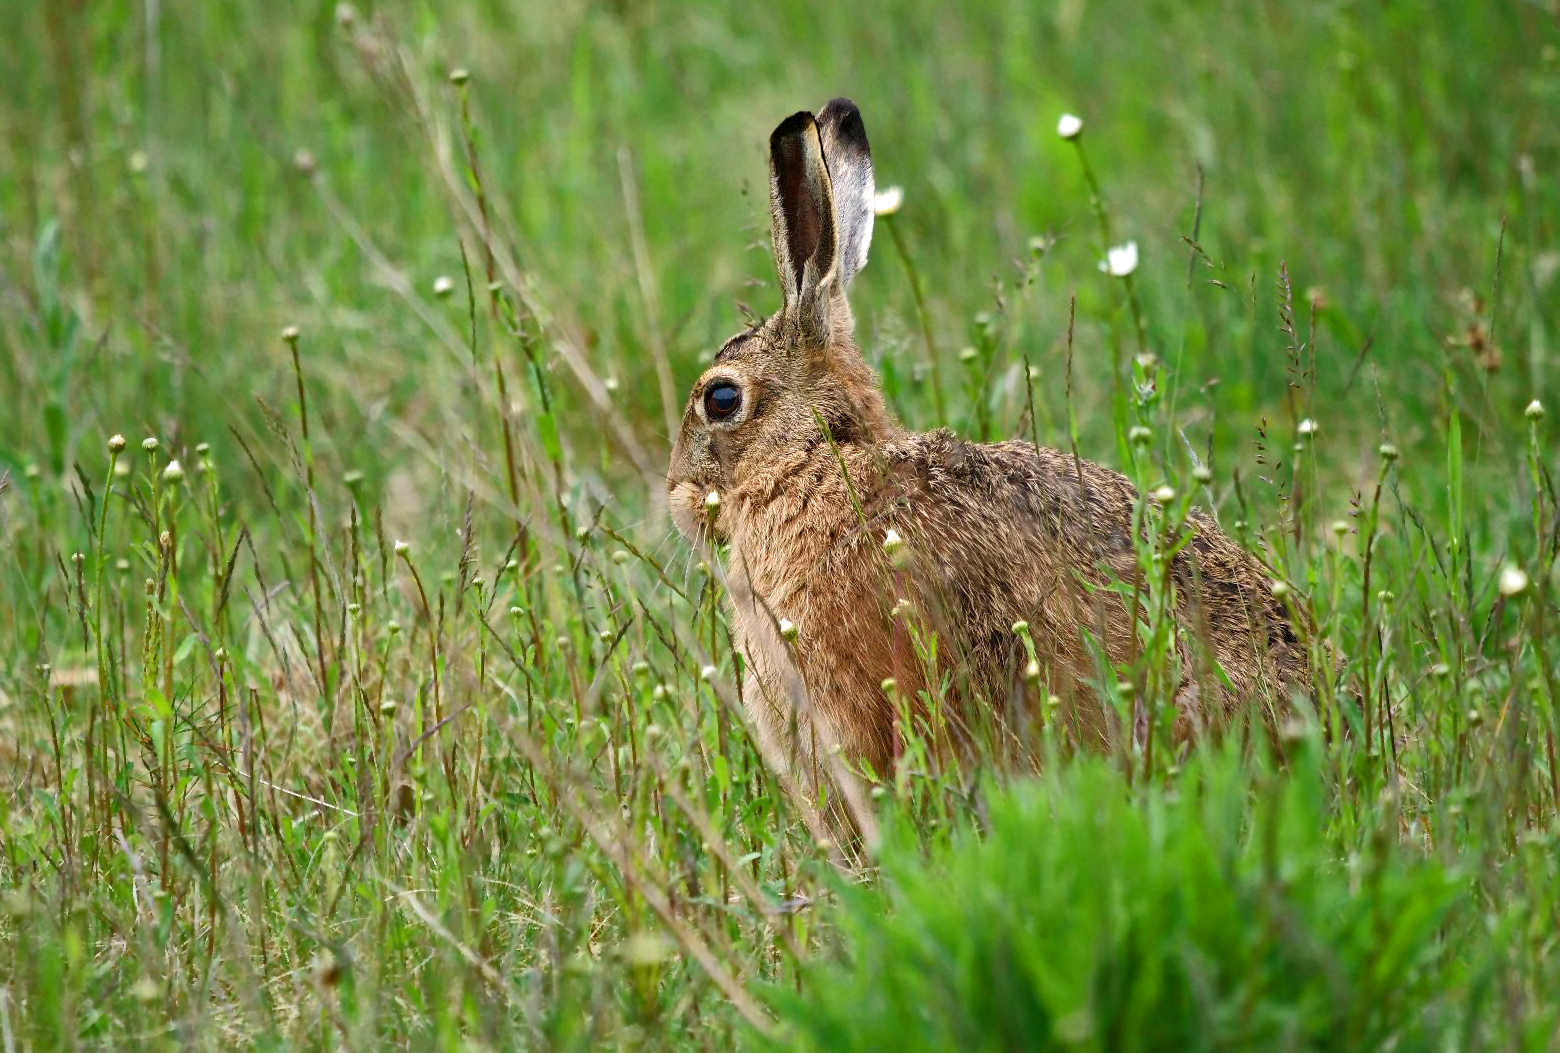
800	744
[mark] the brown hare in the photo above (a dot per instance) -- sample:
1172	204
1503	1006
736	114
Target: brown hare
841	527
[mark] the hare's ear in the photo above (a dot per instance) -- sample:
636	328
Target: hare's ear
849	160
803	206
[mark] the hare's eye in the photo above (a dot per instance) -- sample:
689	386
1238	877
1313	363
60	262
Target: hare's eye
722	400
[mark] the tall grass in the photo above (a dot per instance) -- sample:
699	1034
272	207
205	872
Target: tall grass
362	697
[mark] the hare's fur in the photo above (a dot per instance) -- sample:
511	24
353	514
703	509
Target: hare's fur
812	472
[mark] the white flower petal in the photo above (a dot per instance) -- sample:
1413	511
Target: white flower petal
1070	126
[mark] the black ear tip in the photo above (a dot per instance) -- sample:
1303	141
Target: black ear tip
792	126
845	117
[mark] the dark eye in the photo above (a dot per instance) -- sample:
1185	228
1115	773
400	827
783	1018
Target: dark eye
722	399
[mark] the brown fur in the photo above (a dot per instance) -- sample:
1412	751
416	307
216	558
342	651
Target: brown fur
813	471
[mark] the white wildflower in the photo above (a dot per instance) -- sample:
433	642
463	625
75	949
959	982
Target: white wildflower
1121	260
887	201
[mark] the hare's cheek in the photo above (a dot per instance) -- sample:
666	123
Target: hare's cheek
687	507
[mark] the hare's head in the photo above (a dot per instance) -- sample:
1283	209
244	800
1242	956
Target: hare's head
775	388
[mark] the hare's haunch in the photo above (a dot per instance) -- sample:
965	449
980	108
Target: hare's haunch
847	534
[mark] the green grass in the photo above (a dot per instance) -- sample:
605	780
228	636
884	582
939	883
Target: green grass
269	778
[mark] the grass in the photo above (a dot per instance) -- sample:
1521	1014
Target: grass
395	716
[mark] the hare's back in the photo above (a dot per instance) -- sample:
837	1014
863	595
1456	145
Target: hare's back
1008	531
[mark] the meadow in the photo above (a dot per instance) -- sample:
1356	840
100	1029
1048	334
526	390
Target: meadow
356	692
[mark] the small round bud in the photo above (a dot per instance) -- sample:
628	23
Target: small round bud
353	608
1202	474
1032	673
32	471
477	581
515	612
174	472
393	628
346	15
1534	411
1340	527
969	354
150	444
1308	427
304	161
459	76
658	692
1069	127
788	629
892	542
712	501
889	685
1165	494
290	334
443	286
203	448
1279	589
403	549
1138	435
1020	627
1440	670
1388	452
621	557
116	443
1513	580
707	673
78	558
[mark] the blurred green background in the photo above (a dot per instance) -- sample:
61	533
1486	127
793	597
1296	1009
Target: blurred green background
157	235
